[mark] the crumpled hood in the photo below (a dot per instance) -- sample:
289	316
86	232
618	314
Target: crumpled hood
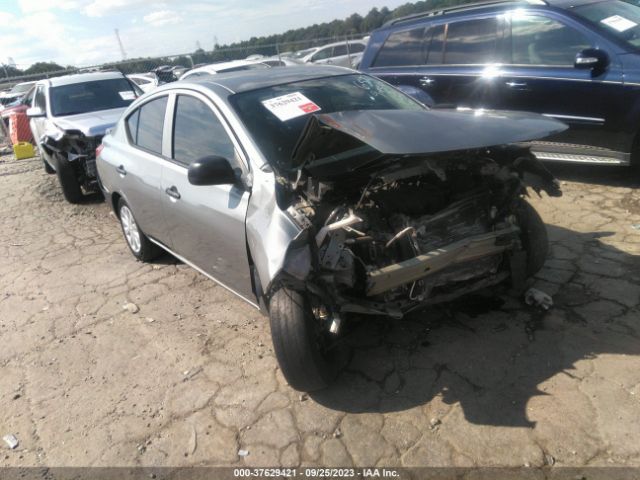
91	124
418	132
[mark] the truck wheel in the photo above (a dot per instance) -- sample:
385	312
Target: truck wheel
533	236
300	342
69	183
139	244
48	168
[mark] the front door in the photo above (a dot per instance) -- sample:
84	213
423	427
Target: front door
541	78
206	224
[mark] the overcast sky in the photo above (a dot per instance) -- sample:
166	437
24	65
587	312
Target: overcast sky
81	32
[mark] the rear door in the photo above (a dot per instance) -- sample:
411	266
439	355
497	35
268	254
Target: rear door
206	224
136	166
453	63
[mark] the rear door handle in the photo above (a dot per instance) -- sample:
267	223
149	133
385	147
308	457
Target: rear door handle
173	192
426	81
121	170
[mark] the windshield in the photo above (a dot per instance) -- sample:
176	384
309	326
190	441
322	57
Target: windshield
276	126
620	18
93	96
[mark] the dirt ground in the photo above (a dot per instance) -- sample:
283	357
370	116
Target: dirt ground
191	379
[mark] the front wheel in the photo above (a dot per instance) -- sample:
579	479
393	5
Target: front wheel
302	344
139	244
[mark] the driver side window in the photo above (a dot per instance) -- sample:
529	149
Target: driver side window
537	40
198	133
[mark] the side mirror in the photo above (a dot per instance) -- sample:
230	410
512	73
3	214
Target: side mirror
34	112
592	59
211	170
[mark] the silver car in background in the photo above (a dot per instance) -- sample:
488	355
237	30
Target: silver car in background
320	195
341	54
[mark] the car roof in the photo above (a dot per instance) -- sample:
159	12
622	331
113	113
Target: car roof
245	80
216	67
81	78
419	18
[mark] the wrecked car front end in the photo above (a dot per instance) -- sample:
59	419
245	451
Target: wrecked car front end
389	222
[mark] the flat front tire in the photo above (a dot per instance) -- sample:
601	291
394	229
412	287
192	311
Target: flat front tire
297	336
69	183
139	244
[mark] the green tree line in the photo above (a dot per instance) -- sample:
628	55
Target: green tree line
354	26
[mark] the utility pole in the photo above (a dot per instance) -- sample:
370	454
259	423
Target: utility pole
122	52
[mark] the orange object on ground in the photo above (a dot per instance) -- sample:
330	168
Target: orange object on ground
19	128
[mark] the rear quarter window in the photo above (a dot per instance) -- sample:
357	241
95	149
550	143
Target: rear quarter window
145	125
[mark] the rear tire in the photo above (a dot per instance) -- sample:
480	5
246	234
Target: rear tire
139	244
48	168
533	236
69	183
297	341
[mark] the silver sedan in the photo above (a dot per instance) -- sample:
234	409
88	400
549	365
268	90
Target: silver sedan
321	195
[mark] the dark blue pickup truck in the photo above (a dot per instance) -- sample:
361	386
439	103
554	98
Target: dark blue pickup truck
574	60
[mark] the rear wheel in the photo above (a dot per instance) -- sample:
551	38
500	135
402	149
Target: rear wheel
533	236
303	346
69	183
139	244
48	168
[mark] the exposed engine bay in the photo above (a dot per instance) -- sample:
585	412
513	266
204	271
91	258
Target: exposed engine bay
417	231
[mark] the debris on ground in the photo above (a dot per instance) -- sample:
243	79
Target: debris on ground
538	298
549	460
434	423
337	433
11	441
150	320
303	397
636	226
188	374
243	453
131	307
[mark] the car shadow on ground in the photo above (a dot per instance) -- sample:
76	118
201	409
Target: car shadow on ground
595	174
492	353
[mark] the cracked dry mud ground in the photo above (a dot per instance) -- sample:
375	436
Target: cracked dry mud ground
84	382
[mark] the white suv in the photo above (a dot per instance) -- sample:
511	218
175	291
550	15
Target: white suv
68	118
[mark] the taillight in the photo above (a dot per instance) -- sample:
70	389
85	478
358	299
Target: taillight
99	149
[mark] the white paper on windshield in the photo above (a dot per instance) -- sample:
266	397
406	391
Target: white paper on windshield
127	95
290	106
618	23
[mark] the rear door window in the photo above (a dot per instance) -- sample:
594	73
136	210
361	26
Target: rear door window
197	132
146	123
402	49
538	40
472	42
435	45
339	50
322	54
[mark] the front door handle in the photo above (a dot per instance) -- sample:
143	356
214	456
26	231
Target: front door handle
121	170
173	192
426	81
516	85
